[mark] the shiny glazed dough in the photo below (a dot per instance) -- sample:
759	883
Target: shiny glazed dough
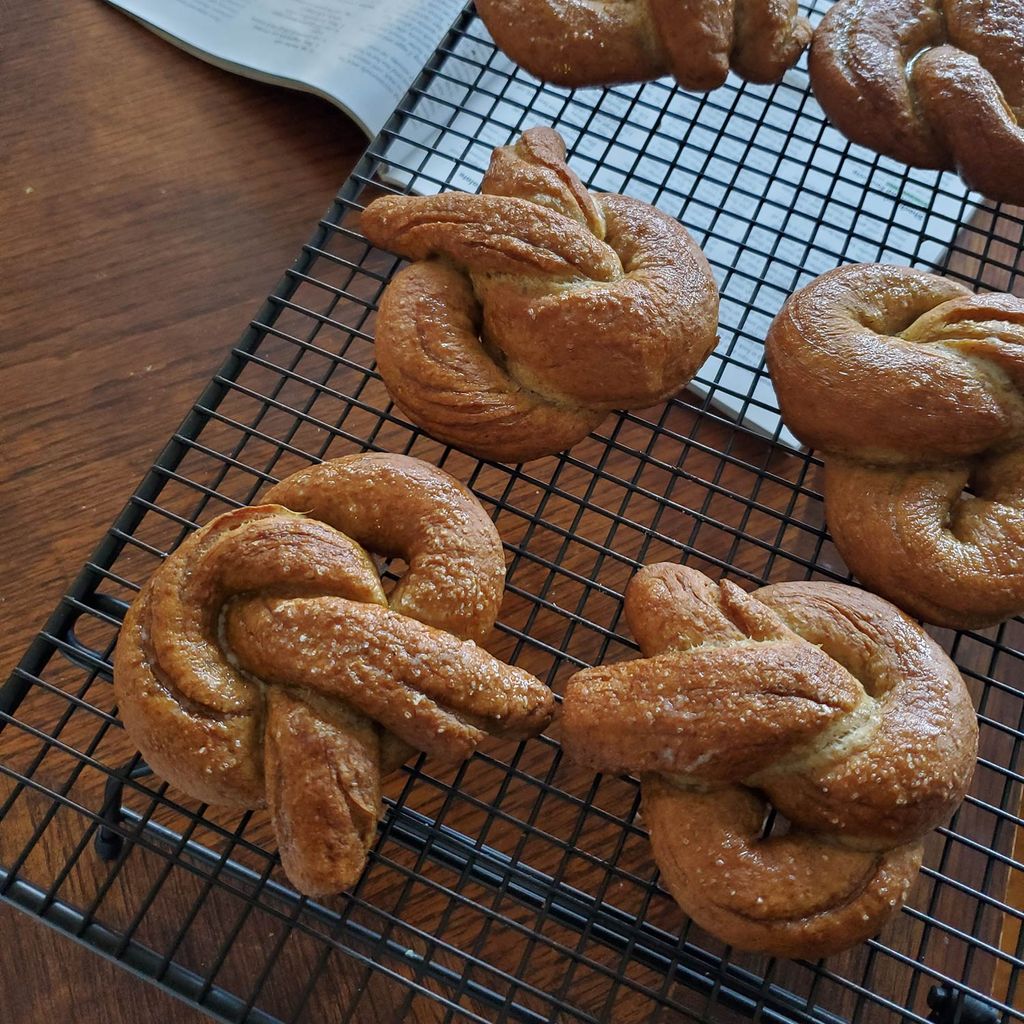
263	664
934	83
532	310
601	42
818	699
912	388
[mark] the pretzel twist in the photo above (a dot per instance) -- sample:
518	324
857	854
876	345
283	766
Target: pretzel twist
821	700
262	662
535	308
934	83
913	389
608	41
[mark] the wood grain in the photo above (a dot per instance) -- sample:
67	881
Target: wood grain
152	204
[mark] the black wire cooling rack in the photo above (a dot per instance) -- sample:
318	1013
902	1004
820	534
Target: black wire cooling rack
516	887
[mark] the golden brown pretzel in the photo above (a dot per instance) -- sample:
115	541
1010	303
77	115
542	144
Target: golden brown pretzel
262	662
600	42
535	308
913	389
934	83
819	699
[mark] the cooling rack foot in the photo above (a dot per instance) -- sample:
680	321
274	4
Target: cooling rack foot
109	842
951	1006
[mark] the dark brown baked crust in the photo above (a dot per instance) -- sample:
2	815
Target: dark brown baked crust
533	309
934	83
262	662
609	41
912	387
821	700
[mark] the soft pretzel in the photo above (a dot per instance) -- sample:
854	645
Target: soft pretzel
818	699
934	83
535	308
601	42
263	664
911	387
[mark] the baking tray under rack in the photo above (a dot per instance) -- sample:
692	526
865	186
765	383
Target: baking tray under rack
515	886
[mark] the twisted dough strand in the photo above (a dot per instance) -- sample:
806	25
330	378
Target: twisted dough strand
838	709
608	41
934	83
535	308
913	389
262	663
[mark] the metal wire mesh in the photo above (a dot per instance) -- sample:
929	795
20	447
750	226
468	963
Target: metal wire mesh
515	886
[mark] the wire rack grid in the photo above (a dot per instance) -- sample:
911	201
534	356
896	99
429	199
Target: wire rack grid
515	886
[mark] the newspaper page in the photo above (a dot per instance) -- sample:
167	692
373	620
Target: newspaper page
361	55
775	196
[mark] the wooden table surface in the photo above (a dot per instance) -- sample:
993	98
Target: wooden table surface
152	202
130	172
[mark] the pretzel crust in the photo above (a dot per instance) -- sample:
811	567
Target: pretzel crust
913	389
263	664
820	700
602	42
934	83
532	310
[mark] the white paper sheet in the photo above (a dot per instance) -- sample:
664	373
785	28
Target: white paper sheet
361	54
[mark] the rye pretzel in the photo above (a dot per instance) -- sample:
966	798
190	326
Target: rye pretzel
911	387
821	700
600	42
534	309
934	83
263	664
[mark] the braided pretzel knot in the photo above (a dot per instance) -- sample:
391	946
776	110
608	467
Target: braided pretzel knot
598	43
535	308
912	388
842	712
262	663
934	83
